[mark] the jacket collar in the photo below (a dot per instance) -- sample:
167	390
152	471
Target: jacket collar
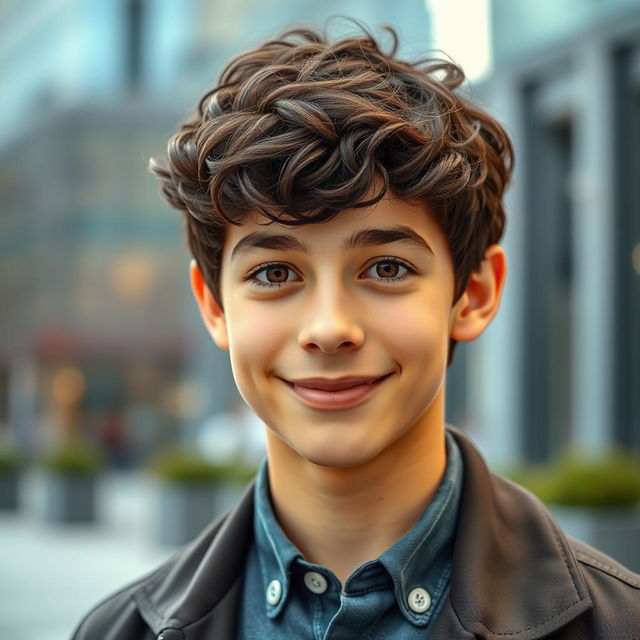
201	578
514	574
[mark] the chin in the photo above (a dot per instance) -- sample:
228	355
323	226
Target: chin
342	456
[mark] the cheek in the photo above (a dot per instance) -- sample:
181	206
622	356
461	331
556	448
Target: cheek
416	332
255	337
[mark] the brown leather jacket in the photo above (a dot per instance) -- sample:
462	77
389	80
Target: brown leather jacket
516	576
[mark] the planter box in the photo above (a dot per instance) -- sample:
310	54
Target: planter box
184	509
615	532
69	498
9	489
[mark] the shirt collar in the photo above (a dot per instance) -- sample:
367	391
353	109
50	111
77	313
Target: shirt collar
421	557
276	553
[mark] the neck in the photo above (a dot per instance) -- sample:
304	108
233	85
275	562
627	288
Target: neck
343	517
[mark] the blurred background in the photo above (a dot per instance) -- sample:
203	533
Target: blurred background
110	386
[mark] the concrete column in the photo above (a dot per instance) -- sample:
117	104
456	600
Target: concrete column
495	362
592	193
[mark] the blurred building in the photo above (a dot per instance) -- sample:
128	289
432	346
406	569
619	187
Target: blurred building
561	363
93	267
91	270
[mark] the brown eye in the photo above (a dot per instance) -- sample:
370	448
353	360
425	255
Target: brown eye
273	275
279	273
387	269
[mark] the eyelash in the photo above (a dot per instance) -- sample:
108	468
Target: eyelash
252	279
389	260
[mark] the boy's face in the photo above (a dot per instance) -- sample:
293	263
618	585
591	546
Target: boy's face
368	294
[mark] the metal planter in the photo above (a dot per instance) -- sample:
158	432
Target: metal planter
9	489
184	509
69	498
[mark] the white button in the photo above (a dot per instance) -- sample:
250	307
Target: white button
419	600
315	582
274	592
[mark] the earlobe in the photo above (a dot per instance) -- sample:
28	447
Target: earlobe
480	301
211	312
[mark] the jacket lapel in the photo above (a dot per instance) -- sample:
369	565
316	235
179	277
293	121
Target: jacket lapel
196	594
514	574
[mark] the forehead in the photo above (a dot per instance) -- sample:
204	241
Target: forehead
389	220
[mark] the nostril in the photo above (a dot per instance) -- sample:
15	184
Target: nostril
312	346
330	338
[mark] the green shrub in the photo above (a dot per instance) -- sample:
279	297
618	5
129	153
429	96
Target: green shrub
609	481
241	472
10	460
182	465
76	458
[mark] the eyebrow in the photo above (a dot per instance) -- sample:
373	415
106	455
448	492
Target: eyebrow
262	240
397	233
359	239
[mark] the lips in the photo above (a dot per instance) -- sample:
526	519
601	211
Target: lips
336	393
335	384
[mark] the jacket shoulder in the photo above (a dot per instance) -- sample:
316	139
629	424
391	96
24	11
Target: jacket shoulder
117	615
614	592
199	582
612	589
595	561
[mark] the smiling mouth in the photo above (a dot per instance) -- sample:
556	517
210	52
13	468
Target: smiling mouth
333	395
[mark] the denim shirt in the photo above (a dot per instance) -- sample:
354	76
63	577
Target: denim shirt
397	595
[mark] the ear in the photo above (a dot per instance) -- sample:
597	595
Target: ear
211	312
478	304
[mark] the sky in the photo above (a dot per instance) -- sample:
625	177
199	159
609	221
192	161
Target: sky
466	41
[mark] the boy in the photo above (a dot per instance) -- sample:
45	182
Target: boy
343	209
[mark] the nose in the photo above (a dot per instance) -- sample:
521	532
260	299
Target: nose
331	325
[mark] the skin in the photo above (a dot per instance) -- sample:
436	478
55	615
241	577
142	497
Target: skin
348	483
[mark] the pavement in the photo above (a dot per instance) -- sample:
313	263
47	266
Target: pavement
51	575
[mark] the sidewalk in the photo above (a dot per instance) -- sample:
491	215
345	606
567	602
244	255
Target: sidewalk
50	576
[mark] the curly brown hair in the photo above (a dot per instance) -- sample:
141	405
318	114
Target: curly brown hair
302	128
